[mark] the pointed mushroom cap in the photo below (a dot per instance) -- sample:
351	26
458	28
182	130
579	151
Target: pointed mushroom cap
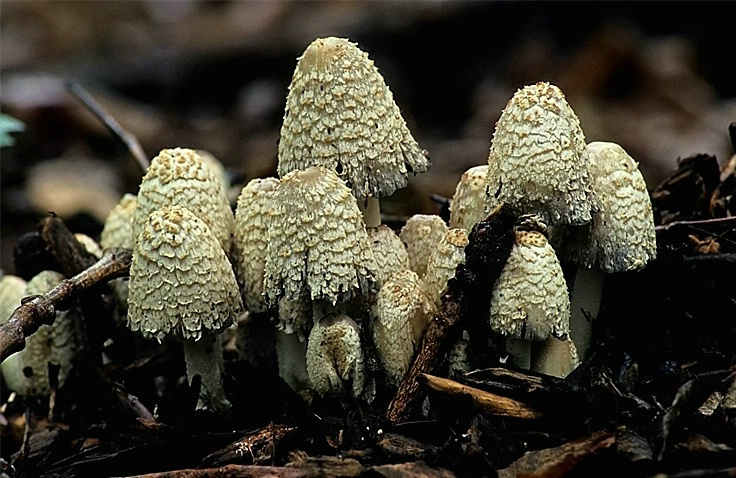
179	176
250	242
467	207
400	313
340	114
535	163
317	242
530	299
420	235
181	282
443	261
621	236
335	361
118	228
387	246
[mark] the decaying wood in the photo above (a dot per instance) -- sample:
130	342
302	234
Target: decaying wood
256	448
39	310
489	244
70	253
485	401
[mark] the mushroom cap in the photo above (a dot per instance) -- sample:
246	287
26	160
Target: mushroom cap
622	235
421	234
400	313
335	360
90	245
118	228
530	298
179	176
250	241
340	114
443	261
296	316
535	164
387	246
317	241
181	282
467	207
12	290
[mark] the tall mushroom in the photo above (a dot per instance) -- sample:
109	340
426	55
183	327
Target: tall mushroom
535	164
621	237
182	287
341	115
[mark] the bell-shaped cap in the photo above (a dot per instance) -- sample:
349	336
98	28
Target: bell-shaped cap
340	114
387	246
443	260
118	228
420	234
467	207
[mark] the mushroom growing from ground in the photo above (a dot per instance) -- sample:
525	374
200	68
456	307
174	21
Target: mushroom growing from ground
621	237
183	287
535	164
340	114
179	176
529	301
467	206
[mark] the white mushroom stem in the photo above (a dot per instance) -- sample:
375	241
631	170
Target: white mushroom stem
586	295
521	351
204	358
371	209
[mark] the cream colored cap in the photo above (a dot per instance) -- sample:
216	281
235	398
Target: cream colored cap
467	207
340	114
390	251
443	260
181	282
421	234
118	228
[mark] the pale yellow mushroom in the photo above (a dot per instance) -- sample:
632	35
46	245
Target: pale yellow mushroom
118	228
421	234
467	206
390	252
443	260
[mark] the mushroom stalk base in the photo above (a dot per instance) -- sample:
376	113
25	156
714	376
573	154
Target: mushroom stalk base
204	358
521	351
585	302
371	210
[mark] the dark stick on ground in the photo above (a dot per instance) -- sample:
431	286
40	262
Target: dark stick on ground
489	246
35	311
127	139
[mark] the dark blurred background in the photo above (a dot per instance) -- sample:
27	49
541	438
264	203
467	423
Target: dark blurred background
655	77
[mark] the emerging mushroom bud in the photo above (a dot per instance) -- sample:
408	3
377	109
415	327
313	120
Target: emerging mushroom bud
421	234
317	242
341	115
250	243
443	261
467	207
401	312
535	164
387	246
182	286
179	177
118	228
335	362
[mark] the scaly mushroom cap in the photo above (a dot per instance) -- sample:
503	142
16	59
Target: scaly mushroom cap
118	228
90	245
335	362
250	241
450	252
387	246
535	164
317	242
341	115
399	315
179	176
420	235
530	299
181	282
621	236
467	207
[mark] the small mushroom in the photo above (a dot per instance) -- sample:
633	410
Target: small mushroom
535	164
118	228
443	260
180	177
341	115
621	237
335	361
250	242
400	313
183	287
420	234
389	250
529	301
467	206
12	291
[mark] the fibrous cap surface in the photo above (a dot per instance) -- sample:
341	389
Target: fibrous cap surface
530	299
389	250
179	177
340	114
420	234
181	282
317	241
535	163
443	260
467	206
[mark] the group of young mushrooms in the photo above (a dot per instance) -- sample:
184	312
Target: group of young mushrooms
308	249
